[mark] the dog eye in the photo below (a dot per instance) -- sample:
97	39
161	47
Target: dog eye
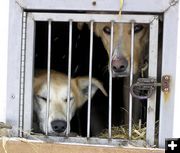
107	30
71	98
138	28
43	98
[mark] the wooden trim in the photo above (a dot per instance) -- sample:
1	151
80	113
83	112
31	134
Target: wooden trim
25	146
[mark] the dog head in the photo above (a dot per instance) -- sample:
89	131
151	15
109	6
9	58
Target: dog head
57	121
122	44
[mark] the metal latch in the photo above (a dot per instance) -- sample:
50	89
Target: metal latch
145	87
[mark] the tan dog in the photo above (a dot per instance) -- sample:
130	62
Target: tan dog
121	54
57	121
122	44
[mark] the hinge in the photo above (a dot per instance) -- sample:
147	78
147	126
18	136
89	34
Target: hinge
145	87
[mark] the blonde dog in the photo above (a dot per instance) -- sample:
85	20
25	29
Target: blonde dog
121	55
57	121
122	44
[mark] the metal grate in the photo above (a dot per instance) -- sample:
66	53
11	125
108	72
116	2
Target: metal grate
93	18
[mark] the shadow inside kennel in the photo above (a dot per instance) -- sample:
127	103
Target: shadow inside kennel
80	67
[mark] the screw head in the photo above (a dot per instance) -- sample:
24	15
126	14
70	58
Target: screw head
94	3
166	77
166	89
12	96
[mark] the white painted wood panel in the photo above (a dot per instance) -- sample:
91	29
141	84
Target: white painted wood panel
170	103
4	16
14	55
101	5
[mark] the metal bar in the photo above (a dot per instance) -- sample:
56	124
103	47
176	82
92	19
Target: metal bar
22	74
81	140
69	78
29	62
96	17
110	82
131	79
48	76
151	102
90	79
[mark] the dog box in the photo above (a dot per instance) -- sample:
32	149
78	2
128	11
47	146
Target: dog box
27	15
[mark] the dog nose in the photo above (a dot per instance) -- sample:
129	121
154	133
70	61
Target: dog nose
59	126
119	65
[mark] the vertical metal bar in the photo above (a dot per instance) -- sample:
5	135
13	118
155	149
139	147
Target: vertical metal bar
90	79
151	102
69	78
22	74
110	83
48	76
29	62
131	79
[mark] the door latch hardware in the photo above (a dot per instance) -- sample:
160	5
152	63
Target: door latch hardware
145	87
166	83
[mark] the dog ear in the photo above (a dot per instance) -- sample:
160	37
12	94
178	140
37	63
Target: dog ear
83	86
36	103
81	25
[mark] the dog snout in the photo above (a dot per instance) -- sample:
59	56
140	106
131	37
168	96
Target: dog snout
59	126
119	65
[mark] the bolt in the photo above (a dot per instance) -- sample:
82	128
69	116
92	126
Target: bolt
94	3
12	96
166	77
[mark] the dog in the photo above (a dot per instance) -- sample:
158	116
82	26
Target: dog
122	44
57	121
121	55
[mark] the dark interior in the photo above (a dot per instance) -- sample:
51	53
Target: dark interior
80	67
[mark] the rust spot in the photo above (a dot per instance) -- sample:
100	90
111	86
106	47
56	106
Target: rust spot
166	96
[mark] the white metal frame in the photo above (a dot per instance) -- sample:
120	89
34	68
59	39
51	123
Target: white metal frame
169	113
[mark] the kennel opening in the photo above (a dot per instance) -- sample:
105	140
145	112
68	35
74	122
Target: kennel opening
26	118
